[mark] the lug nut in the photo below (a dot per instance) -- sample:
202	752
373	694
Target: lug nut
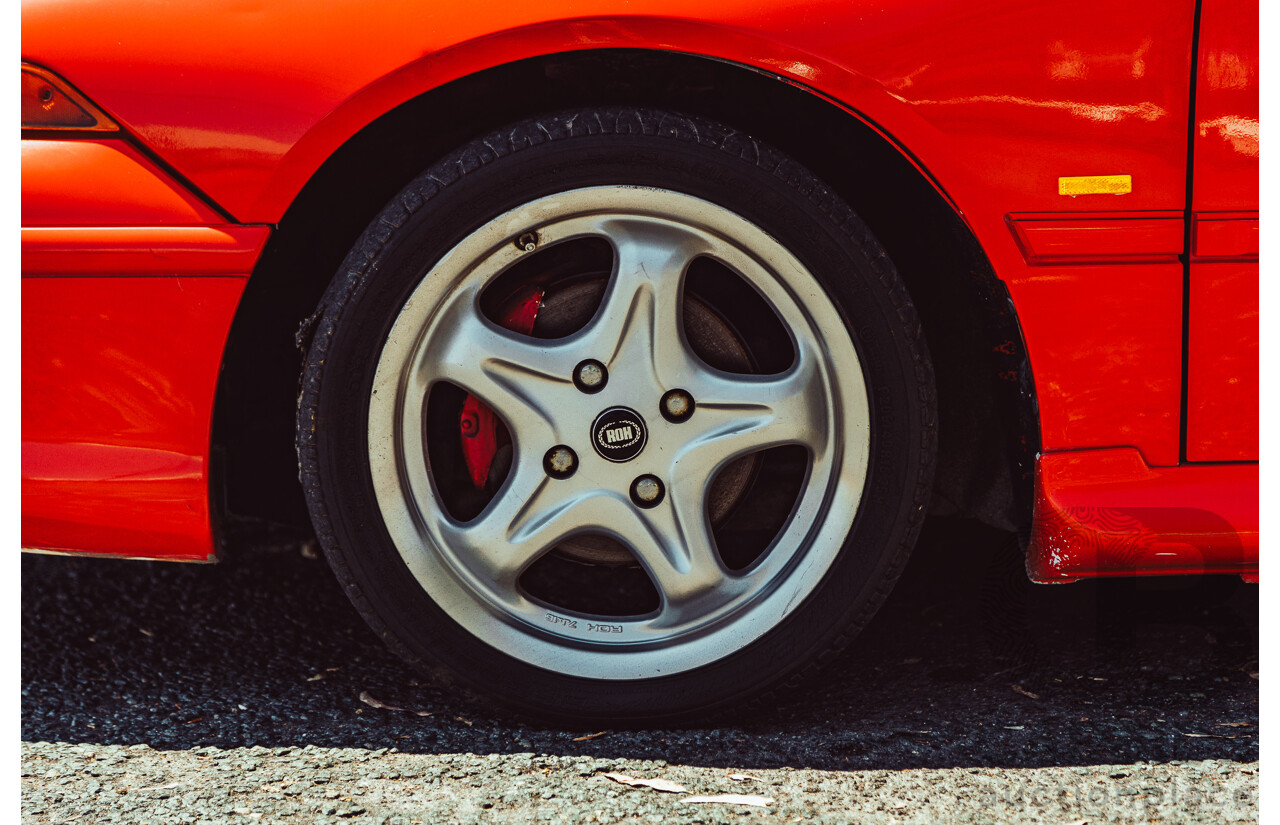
677	405
590	376
560	462
647	491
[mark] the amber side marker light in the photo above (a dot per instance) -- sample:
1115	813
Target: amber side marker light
49	102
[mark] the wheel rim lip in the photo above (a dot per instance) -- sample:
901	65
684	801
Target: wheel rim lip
555	639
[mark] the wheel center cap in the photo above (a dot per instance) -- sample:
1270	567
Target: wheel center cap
619	434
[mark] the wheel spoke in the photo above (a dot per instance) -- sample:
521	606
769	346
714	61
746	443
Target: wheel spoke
515	375
740	414
639	320
674	543
530	514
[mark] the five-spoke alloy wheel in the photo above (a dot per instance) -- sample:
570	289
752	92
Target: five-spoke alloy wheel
617	414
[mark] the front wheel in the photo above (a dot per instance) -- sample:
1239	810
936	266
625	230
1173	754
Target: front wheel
617	414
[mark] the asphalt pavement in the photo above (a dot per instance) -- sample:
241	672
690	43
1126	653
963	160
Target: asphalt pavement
250	691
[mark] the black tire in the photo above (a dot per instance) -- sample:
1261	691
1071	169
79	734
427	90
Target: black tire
564	152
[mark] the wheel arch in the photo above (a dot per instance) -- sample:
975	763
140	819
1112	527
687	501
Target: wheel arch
988	425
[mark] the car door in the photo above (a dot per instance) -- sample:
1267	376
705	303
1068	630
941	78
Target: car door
1222	325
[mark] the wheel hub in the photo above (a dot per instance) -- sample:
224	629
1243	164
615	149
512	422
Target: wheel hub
567	305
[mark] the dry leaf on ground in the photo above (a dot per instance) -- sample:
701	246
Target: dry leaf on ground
374	703
664	785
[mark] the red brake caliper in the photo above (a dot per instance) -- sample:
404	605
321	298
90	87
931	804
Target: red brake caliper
477	421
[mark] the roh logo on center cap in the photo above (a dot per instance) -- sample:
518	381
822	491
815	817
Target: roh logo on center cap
619	434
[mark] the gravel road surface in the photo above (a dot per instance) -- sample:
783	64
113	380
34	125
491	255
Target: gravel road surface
251	692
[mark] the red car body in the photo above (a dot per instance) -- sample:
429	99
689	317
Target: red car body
1104	157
